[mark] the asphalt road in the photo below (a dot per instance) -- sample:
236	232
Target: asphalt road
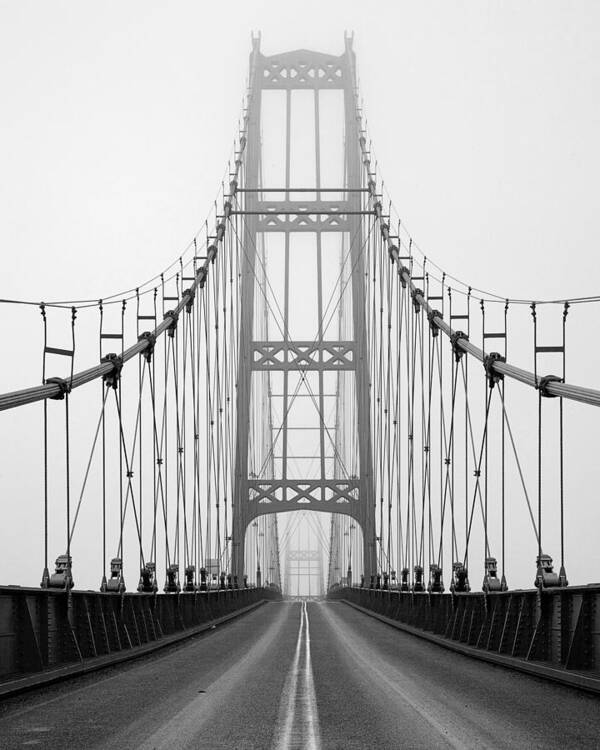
321	675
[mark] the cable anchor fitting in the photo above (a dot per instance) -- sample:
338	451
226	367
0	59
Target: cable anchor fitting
116	582
148	582
404	584
493	376
63	577
542	385
454	340
172	585
111	379
460	578
491	582
418	583
433	323
545	577
436	582
149	350
190	572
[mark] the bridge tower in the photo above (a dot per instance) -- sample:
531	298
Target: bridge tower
274	364
305	563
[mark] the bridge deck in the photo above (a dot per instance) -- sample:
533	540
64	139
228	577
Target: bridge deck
357	683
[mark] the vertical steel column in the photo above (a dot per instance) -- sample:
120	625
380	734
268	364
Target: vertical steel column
244	379
357	237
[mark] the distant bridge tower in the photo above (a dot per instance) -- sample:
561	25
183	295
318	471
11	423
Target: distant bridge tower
303	573
281	374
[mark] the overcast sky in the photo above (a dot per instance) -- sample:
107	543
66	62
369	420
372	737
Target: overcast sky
117	120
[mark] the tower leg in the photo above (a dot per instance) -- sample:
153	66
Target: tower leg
369	556
238	551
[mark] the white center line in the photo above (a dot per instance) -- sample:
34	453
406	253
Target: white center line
298	720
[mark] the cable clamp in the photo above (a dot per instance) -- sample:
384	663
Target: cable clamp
112	378
433	324
191	294
416	302
227	208
493	376
173	324
220	232
64	387
377	207
149	350
401	271
393	252
454	339
233	186
211	250
385	230
542	385
201	275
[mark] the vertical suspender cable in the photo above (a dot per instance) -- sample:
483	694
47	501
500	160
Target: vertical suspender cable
562	575
503	458
140	432
67	440
103	398
45	574
485	460
539	519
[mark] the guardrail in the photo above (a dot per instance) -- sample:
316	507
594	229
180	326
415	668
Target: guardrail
553	633
46	635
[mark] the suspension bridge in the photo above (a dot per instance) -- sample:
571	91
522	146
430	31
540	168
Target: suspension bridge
303	357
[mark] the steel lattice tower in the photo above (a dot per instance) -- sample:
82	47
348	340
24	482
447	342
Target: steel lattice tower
317	210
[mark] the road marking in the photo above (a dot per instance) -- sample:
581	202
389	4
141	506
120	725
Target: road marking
298	720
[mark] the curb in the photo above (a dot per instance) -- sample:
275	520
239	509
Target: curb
545	671
47	677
